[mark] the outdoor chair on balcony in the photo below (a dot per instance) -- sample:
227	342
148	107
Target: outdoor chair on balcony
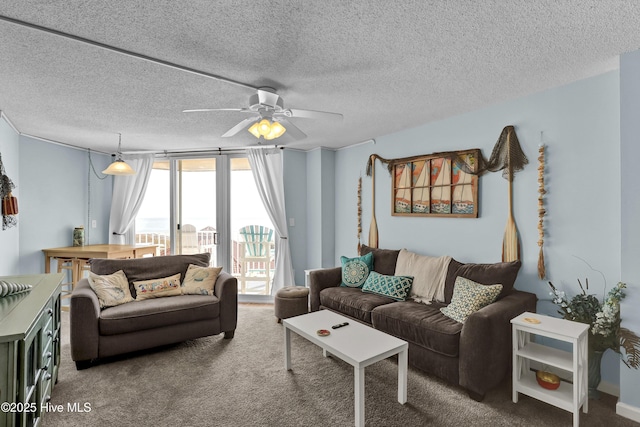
189	240
256	255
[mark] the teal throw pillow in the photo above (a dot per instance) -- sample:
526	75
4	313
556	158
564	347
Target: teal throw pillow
356	270
394	287
469	297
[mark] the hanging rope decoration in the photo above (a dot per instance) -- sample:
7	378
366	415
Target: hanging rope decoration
507	154
541	211
9	203
359	212
451	155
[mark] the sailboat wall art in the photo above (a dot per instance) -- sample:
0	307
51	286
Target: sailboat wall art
442	184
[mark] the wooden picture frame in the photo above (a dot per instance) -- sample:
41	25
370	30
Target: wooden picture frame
437	185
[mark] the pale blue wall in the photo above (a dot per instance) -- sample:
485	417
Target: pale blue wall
580	125
313	241
54	199
295	194
9	238
320	245
630	212
328	207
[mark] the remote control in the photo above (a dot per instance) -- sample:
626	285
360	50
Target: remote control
340	325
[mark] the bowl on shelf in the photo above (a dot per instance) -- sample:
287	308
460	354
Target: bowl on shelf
548	380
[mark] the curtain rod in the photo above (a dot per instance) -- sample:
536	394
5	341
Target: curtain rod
205	151
125	52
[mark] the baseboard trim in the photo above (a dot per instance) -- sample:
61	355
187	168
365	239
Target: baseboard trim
609	388
628	411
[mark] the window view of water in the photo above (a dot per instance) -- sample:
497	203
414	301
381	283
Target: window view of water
252	258
199	198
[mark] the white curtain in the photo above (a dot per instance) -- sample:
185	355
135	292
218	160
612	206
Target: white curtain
267	168
127	197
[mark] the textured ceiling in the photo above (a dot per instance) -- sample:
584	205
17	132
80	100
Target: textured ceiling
384	65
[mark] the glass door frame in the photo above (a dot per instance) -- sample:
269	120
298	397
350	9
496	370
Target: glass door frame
223	257
223	209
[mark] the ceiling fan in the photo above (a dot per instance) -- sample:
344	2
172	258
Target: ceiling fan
269	119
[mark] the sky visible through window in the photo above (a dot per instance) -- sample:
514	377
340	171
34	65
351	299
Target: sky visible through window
199	202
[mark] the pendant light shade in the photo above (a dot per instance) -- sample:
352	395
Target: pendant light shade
119	166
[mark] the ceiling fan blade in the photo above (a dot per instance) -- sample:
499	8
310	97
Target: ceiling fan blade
198	110
311	114
292	130
240	127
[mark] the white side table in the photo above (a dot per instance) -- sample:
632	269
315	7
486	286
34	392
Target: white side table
306	275
568	397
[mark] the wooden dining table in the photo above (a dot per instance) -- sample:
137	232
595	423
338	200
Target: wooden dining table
97	251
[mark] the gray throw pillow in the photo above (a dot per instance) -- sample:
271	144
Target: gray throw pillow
504	273
384	260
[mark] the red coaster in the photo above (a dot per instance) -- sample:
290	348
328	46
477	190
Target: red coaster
323	332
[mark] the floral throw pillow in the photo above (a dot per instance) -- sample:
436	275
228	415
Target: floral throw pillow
394	287
200	280
157	288
112	289
469	297
356	270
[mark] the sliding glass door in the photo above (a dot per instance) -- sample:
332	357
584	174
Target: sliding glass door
153	222
196	216
252	235
211	204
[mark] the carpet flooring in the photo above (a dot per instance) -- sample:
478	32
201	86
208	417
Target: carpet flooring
242	382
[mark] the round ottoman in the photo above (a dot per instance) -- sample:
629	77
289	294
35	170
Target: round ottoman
291	301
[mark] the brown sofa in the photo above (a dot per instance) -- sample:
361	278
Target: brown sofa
97	333
475	355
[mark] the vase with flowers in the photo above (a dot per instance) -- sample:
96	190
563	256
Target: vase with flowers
605	331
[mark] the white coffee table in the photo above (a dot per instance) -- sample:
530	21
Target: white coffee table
357	344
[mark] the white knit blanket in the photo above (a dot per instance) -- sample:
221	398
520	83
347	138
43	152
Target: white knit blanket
429	274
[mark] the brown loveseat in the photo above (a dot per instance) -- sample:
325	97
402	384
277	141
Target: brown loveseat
98	333
475	354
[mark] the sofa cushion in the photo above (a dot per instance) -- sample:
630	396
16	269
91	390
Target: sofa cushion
200	280
157	312
149	268
450	281
111	289
352	302
502	273
384	260
158	288
421	324
356	270
469	297
395	287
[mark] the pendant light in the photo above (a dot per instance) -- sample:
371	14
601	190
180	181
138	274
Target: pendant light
119	166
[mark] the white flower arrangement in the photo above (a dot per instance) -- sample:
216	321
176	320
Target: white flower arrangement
604	319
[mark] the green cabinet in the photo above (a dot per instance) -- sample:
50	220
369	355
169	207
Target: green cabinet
29	349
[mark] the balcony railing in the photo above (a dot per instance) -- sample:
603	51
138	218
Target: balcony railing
206	243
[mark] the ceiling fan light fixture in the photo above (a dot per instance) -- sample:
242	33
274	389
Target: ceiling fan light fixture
268	130
277	130
254	130
264	127
119	166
